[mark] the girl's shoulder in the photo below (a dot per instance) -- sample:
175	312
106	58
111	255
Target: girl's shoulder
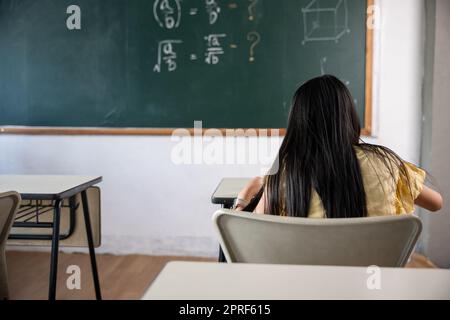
378	164
378	157
381	168
371	160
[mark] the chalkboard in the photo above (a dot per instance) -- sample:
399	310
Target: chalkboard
167	63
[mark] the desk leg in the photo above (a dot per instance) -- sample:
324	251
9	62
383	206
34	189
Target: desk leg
222	257
87	221
55	250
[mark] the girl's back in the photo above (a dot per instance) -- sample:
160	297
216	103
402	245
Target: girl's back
326	170
386	194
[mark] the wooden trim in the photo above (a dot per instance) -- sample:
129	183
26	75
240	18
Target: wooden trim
366	131
141	131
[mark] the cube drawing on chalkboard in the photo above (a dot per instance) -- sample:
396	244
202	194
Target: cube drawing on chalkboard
325	20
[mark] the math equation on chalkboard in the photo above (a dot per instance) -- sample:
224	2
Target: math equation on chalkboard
170	15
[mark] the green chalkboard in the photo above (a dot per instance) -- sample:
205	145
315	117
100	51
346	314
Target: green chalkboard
168	63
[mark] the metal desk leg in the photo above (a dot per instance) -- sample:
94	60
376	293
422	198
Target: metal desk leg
55	249
87	220
222	258
221	254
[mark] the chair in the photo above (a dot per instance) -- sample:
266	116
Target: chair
253	238
9	203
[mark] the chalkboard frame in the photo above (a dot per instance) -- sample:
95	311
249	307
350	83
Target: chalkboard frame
366	130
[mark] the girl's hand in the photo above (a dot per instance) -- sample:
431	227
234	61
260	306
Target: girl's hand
250	190
239	207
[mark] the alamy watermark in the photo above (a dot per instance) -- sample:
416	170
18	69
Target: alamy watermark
73	281
250	147
73	21
374	279
373	17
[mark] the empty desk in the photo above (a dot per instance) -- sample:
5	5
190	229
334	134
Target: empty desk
53	188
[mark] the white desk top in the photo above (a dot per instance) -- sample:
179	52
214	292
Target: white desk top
228	189
214	281
46	187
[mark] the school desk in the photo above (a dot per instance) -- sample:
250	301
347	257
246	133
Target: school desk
225	193
220	281
56	189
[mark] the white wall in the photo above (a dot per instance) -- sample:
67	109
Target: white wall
151	205
399	73
435	150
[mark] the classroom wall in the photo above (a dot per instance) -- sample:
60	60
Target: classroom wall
436	151
153	206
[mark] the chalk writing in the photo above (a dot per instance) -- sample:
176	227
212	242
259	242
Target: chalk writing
323	70
167	13
251	8
167	55
213	10
254	37
316	28
213	48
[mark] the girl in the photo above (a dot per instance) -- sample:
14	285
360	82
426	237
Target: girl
326	171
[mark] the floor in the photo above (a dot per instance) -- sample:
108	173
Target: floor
121	277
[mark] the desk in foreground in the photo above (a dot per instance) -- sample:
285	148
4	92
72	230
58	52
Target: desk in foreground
213	281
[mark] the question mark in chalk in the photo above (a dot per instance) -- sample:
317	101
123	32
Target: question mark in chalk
254	37
252	5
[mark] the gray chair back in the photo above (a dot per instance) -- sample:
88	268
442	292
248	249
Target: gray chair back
9	203
386	241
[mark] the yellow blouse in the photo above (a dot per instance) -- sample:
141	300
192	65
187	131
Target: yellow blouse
384	195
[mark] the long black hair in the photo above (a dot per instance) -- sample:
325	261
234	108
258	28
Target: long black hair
318	153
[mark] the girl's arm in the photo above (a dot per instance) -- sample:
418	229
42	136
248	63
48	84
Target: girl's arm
429	199
260	208
250	190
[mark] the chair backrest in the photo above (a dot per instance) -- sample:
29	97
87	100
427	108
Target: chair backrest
253	238
9	203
